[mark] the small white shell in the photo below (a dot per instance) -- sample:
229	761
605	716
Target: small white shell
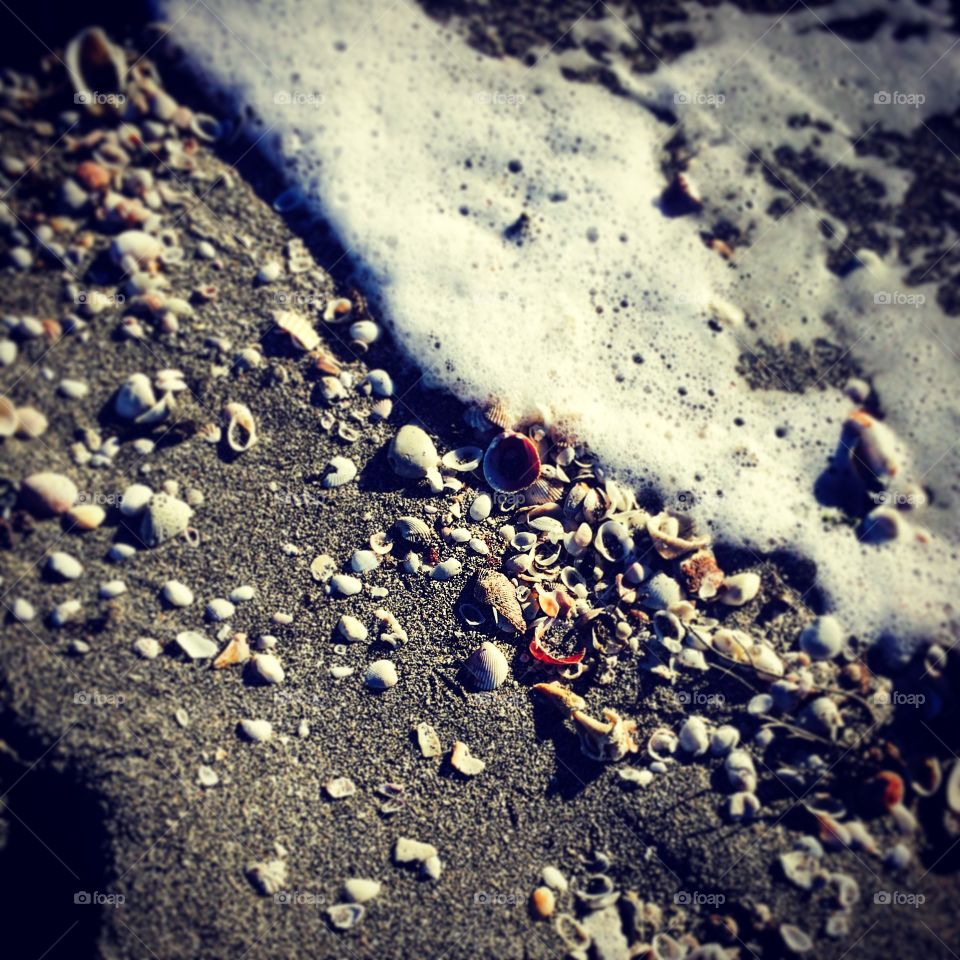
363	561
241	428
481	507
740	771
414	530
613	542
486	668
351	629
340	471
739	589
165	517
463	459
135	397
660	592
428	741
380	383
381	675
693	736
298	328
447	569
342	584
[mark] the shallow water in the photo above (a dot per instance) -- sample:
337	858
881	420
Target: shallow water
508	220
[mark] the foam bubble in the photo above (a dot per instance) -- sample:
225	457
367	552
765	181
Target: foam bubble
509	220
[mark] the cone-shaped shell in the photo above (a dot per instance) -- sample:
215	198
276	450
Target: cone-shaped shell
511	463
486	668
495	590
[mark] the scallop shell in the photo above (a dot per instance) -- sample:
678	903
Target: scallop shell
495	590
297	328
486	668
511	463
241	432
340	471
413	530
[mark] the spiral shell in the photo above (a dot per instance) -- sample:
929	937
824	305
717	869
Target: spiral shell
241	427
495	590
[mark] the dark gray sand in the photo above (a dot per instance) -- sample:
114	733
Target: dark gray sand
100	779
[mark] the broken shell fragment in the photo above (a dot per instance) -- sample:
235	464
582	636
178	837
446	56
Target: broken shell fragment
511	463
672	535
606	740
135	397
241	432
428	741
464	762
236	651
560	697
486	668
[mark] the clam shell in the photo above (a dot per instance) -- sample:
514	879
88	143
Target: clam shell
463	459
486	668
511	463
412	453
693	736
340	471
135	248
48	494
660	592
135	397
739	589
447	569
241	428
480	508
381	675
298	328
414	530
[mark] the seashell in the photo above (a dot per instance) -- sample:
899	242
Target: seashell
799	867
760	705
613	542
543	902
660	592
704	577
134	499
724	739
379	383
337	310
87	516
48	494
693	736
740	771
608	740
662	744
511	463
898	857
739	589
486	668
219	609
97	70
63	566
447	569
31	423
794	939
363	561
297	328
340	471
134	249
413	530
164	518
364	332
359	890
236	651
765	661
496	591
742	806
381	675
266	669
412	453
463	459
241	432
952	789
480	508
837	925
196	645
523	540
823	714
428	741
351	629
873	452
340	788
8	418
135	397
822	639
406	850
672	535
464	762
561	697
343	585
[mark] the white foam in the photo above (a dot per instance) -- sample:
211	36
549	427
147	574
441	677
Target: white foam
394	126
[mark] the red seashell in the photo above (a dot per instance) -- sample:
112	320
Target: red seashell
891	789
511	463
539	653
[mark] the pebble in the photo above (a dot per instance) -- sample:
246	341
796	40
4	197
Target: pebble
381	675
121	551
182	717
481	507
23	611
282	619
134	499
242	594
64	566
344	585
544	902
256	730
431	868
554	879
363	561
340	788
86	516
196	645
447	569
64	613
8	353
360	890
48	494
269	272
351	629
111	589
340	672
412	453
207	776
267	668
73	389
822	639
164	518
412	851
220	609
146	647
177	594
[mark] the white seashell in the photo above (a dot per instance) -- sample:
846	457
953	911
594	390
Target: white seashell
613	542
693	736
351	629
380	383
412	453
480	508
414	530
97	70
660	592
381	675
742	805
241	427
724	739
147	648
298	328
463	459
177	594
48	494
428	741
255	730
8	353
63	566
266	668
242	594
164	518
112	589
486	668
447	569
196	645
464	762
364	332
359	890
822	639
135	248
739	589
8	417
220	609
340	471
741	771
64	613
412	851
23	611
523	540
765	661
342	584
337	310
135	397
952	789
134	499
323	567
672	535
662	744
31	423
120	552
